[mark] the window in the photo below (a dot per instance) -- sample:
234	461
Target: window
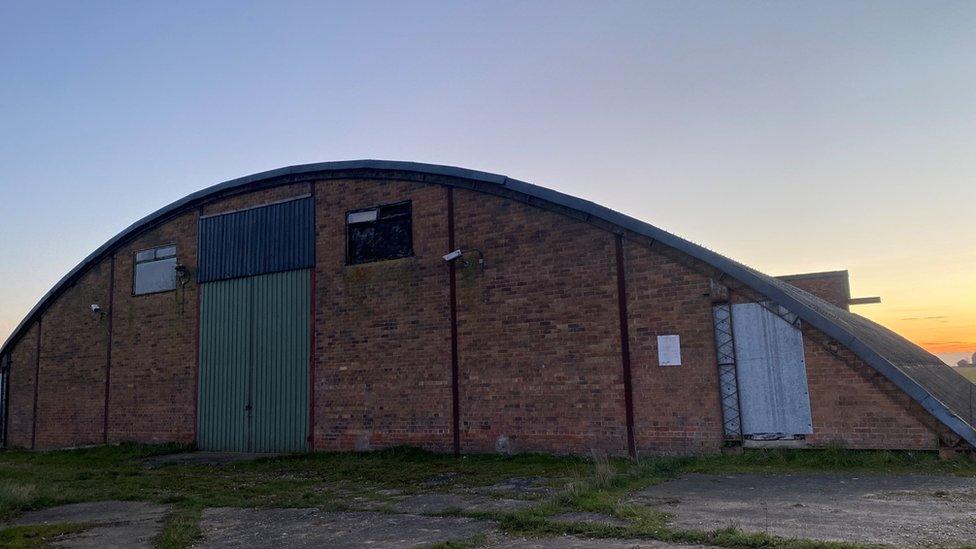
379	233
155	270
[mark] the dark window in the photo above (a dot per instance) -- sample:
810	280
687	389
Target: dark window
379	233
155	271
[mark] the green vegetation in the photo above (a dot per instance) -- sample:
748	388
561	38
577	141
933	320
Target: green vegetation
23	537
182	528
334	481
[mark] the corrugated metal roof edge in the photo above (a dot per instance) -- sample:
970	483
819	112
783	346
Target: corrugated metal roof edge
732	268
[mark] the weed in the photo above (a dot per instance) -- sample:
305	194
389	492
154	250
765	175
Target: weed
181	528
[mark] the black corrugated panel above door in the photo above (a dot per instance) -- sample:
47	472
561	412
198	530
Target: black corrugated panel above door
267	239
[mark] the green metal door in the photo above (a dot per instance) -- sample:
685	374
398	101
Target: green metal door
279	421
254	345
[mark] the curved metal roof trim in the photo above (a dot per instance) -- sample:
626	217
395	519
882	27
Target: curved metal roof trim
804	305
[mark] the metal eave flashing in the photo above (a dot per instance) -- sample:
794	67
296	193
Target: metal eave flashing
585	207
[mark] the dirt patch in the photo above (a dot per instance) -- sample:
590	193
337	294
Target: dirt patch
231	527
118	523
897	510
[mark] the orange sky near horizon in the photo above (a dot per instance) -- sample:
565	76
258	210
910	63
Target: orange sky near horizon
933	306
792	137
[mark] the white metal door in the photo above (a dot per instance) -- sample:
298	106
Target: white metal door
772	373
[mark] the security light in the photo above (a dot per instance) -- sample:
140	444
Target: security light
453	255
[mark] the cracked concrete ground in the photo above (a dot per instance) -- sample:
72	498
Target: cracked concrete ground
429	504
117	523
897	510
571	542
307	528
230	527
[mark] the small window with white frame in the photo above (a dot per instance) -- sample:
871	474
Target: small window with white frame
155	271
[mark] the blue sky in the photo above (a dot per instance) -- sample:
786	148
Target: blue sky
791	136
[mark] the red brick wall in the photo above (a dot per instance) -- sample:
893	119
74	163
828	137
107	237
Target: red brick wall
23	361
677	408
152	380
74	344
382	330
255	198
855	406
832	286
539	339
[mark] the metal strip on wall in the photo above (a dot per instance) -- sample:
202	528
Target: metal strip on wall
108	349
267	239
5	396
37	382
455	366
625	344
727	377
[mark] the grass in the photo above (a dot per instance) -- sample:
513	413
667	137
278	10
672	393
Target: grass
181	528
335	481
40	535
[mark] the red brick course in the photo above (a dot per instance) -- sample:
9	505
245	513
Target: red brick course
152	392
382	329
23	361
71	383
677	408
832	287
538	335
854	406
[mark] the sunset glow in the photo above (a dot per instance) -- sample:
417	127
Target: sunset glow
794	137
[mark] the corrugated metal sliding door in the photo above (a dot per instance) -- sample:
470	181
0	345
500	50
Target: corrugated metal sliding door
279	422
225	364
255	276
772	373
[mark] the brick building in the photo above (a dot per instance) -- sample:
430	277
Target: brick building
365	304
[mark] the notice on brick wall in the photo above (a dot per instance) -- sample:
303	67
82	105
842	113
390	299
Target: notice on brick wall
668	350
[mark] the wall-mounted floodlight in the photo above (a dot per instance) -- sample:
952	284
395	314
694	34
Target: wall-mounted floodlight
456	254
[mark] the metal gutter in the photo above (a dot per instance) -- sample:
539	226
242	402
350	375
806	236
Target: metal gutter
491	183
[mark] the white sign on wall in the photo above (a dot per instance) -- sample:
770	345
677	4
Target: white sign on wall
668	350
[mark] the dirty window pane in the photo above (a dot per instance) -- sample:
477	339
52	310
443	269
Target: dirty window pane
362	217
168	251
147	255
155	275
389	236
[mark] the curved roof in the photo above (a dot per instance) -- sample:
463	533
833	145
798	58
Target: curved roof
935	386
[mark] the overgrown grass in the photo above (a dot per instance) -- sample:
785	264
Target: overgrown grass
181	528
38	535
334	481
829	460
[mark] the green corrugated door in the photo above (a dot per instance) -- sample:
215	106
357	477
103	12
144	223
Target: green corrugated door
280	390
225	362
254	345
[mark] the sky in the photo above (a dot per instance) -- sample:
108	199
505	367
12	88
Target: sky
794	137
